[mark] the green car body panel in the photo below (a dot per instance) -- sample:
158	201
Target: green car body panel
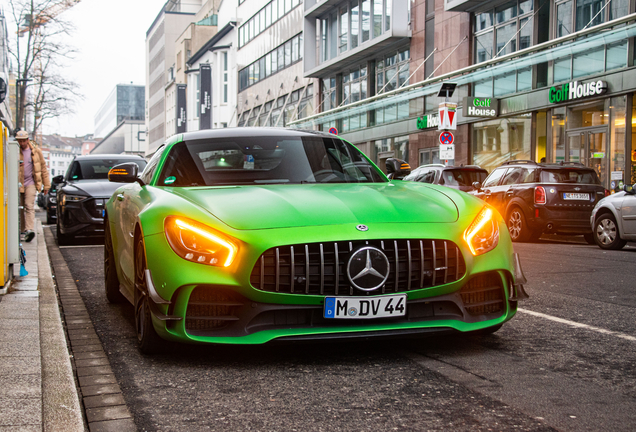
261	217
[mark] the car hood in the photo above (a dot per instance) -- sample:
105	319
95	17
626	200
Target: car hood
280	206
94	188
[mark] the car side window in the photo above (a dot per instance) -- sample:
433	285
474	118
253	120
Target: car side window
421	174
149	172
494	177
514	176
414	176
429	177
529	176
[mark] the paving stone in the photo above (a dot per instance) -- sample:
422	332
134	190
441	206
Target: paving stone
20	365
81	335
107	413
89	355
92	380
91	362
23	428
94	370
102	389
30	335
90	341
123	425
104	400
20	386
12	324
18	412
87	348
19	349
20	313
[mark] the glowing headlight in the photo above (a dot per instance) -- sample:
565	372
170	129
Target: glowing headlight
196	242
72	199
483	233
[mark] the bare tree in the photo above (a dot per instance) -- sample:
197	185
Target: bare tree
39	53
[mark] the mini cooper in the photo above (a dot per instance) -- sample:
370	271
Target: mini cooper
250	235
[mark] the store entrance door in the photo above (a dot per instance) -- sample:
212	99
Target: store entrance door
589	147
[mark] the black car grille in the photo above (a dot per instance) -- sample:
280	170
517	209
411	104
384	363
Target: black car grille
94	206
210	309
320	268
483	294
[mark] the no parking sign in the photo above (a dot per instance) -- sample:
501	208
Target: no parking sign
446	137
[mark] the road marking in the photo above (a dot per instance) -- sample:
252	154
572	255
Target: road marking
579	325
81	246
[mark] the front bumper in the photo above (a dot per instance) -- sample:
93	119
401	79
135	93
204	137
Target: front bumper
84	218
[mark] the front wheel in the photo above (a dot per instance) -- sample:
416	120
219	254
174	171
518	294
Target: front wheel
517	226
62	239
606	233
111	281
148	341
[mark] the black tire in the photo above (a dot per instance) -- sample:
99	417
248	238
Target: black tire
589	239
516	221
111	281
606	233
49	219
62	239
148	341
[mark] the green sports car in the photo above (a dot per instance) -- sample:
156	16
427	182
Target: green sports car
248	235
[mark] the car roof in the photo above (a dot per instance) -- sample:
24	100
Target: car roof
252	132
107	156
550	165
452	167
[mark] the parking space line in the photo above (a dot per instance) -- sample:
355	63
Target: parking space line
578	325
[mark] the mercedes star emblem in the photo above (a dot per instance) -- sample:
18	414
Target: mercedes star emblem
362	228
368	268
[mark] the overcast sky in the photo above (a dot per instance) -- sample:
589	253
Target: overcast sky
110	37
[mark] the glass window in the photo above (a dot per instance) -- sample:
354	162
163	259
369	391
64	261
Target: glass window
501	140
295	49
525	6
506	39
355	22
377	18
281	57
616	56
483	21
514	176
365	20
562	69
494	177
525	33
344	29
483	47
482	88
588	63
387	15
505	84
506	12
268	15
333	35
618	8
524	79
288	51
587	13
564	19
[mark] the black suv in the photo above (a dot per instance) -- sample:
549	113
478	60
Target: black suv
456	177
536	198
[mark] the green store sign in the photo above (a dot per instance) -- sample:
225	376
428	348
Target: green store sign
576	90
428	121
480	107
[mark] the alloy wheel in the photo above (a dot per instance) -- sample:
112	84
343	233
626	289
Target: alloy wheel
606	231
515	224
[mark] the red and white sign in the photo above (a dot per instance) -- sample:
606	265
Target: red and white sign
447	117
446	138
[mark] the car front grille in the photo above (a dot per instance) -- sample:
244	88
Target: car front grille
210	309
483	294
320	268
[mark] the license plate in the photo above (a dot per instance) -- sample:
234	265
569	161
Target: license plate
365	307
576	196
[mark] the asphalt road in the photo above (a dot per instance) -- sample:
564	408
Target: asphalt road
565	362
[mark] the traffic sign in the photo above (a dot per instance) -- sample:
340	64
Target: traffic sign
447	151
446	137
333	130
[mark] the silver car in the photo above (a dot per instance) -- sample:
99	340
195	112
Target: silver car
613	219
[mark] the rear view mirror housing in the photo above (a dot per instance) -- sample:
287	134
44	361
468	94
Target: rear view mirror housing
477	185
397	169
124	173
630	189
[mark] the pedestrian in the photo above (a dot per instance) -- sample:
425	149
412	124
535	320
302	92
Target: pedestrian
33	176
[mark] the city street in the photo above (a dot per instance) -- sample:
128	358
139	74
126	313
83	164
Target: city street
565	362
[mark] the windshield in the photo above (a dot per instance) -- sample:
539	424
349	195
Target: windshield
463	177
97	169
266	160
570	175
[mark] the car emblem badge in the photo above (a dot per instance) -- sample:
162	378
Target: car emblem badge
577	188
362	227
368	268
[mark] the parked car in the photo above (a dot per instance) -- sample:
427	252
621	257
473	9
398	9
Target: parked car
51	202
536	198
248	235
456	177
82	192
613	219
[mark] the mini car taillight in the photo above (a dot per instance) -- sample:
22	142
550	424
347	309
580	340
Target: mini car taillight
539	195
607	193
196	242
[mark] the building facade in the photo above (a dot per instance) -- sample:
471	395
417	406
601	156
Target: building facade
272	89
536	80
171	21
125	102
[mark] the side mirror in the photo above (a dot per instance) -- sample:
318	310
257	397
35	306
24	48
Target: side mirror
629	189
57	179
477	186
397	168
124	173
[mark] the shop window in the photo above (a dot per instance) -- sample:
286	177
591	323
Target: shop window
501	140
618	162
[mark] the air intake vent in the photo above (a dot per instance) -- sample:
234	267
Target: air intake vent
484	294
320	268
210	309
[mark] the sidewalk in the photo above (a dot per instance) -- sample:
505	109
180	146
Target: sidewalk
37	388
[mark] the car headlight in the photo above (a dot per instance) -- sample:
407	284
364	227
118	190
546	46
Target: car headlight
72	199
196	242
52	199
483	233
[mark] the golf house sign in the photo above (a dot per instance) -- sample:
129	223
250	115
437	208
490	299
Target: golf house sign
576	90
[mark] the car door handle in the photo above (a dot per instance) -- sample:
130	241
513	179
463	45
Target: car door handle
510	192
120	197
